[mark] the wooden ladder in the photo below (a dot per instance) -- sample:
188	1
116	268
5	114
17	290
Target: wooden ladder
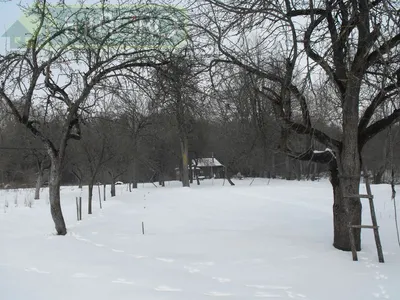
374	225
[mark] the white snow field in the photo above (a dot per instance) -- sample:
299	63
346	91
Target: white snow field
209	241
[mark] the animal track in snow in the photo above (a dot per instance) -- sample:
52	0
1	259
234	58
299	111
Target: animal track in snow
122	281
117	251
222	280
380	276
164	288
36	270
266	295
382	293
191	269
168	260
138	256
293	295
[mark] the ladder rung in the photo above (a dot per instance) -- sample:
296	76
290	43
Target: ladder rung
360	196
364	226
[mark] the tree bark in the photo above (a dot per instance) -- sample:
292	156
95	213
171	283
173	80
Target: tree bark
39	181
134	173
185	162
90	200
273	167
113	188
54	195
340	217
288	168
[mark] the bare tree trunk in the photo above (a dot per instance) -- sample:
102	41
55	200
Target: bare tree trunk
185	162
39	181
134	173
54	195
340	217
288	168
90	200
273	167
113	188
298	169
228	175
190	173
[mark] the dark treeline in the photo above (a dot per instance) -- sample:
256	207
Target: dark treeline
106	155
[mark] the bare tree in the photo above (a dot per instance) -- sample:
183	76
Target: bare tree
177	88
58	71
350	48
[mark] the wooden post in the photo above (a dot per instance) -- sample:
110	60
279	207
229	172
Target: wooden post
104	192
98	187
142	227
77	208
80	208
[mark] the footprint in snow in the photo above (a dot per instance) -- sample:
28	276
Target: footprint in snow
36	270
164	288
266	295
138	256
122	281
117	251
380	276
222	280
167	260
382	293
293	295
218	294
191	270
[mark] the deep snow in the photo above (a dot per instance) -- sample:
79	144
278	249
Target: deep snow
242	242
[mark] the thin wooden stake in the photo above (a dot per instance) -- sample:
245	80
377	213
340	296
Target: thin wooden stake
80	208
98	187
142	227
77	208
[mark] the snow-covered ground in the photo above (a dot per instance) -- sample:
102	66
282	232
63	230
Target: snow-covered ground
243	242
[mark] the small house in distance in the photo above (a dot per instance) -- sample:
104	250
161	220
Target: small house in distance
208	167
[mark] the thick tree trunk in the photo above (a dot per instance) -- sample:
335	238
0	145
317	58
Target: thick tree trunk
39	181
288	164
54	196
340	218
347	211
90	200
185	162
113	189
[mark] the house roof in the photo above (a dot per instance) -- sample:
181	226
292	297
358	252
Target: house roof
207	162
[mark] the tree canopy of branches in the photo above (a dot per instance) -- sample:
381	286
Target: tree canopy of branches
350	48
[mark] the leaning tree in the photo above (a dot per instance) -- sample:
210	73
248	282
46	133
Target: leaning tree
349	48
71	51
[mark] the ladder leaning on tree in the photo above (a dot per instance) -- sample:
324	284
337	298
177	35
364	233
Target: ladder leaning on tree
374	225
